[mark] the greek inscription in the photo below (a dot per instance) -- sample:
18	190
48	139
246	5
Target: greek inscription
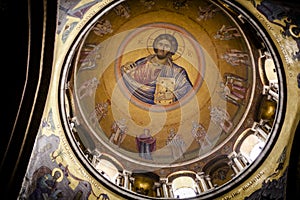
87	18
235	195
69	152
267	25
279	40
82	170
232	195
91	14
251	182
90	180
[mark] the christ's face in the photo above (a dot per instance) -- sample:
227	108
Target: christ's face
163	48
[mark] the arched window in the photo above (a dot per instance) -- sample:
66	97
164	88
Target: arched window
251	147
183	187
107	169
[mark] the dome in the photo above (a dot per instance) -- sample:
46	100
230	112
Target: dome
163	98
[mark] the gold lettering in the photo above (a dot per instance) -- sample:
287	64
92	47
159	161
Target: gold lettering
288	58
245	187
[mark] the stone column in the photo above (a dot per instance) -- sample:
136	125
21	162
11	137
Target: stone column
202	181
163	182
208	179
243	159
233	157
259	131
157	187
169	185
127	175
197	185
231	164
